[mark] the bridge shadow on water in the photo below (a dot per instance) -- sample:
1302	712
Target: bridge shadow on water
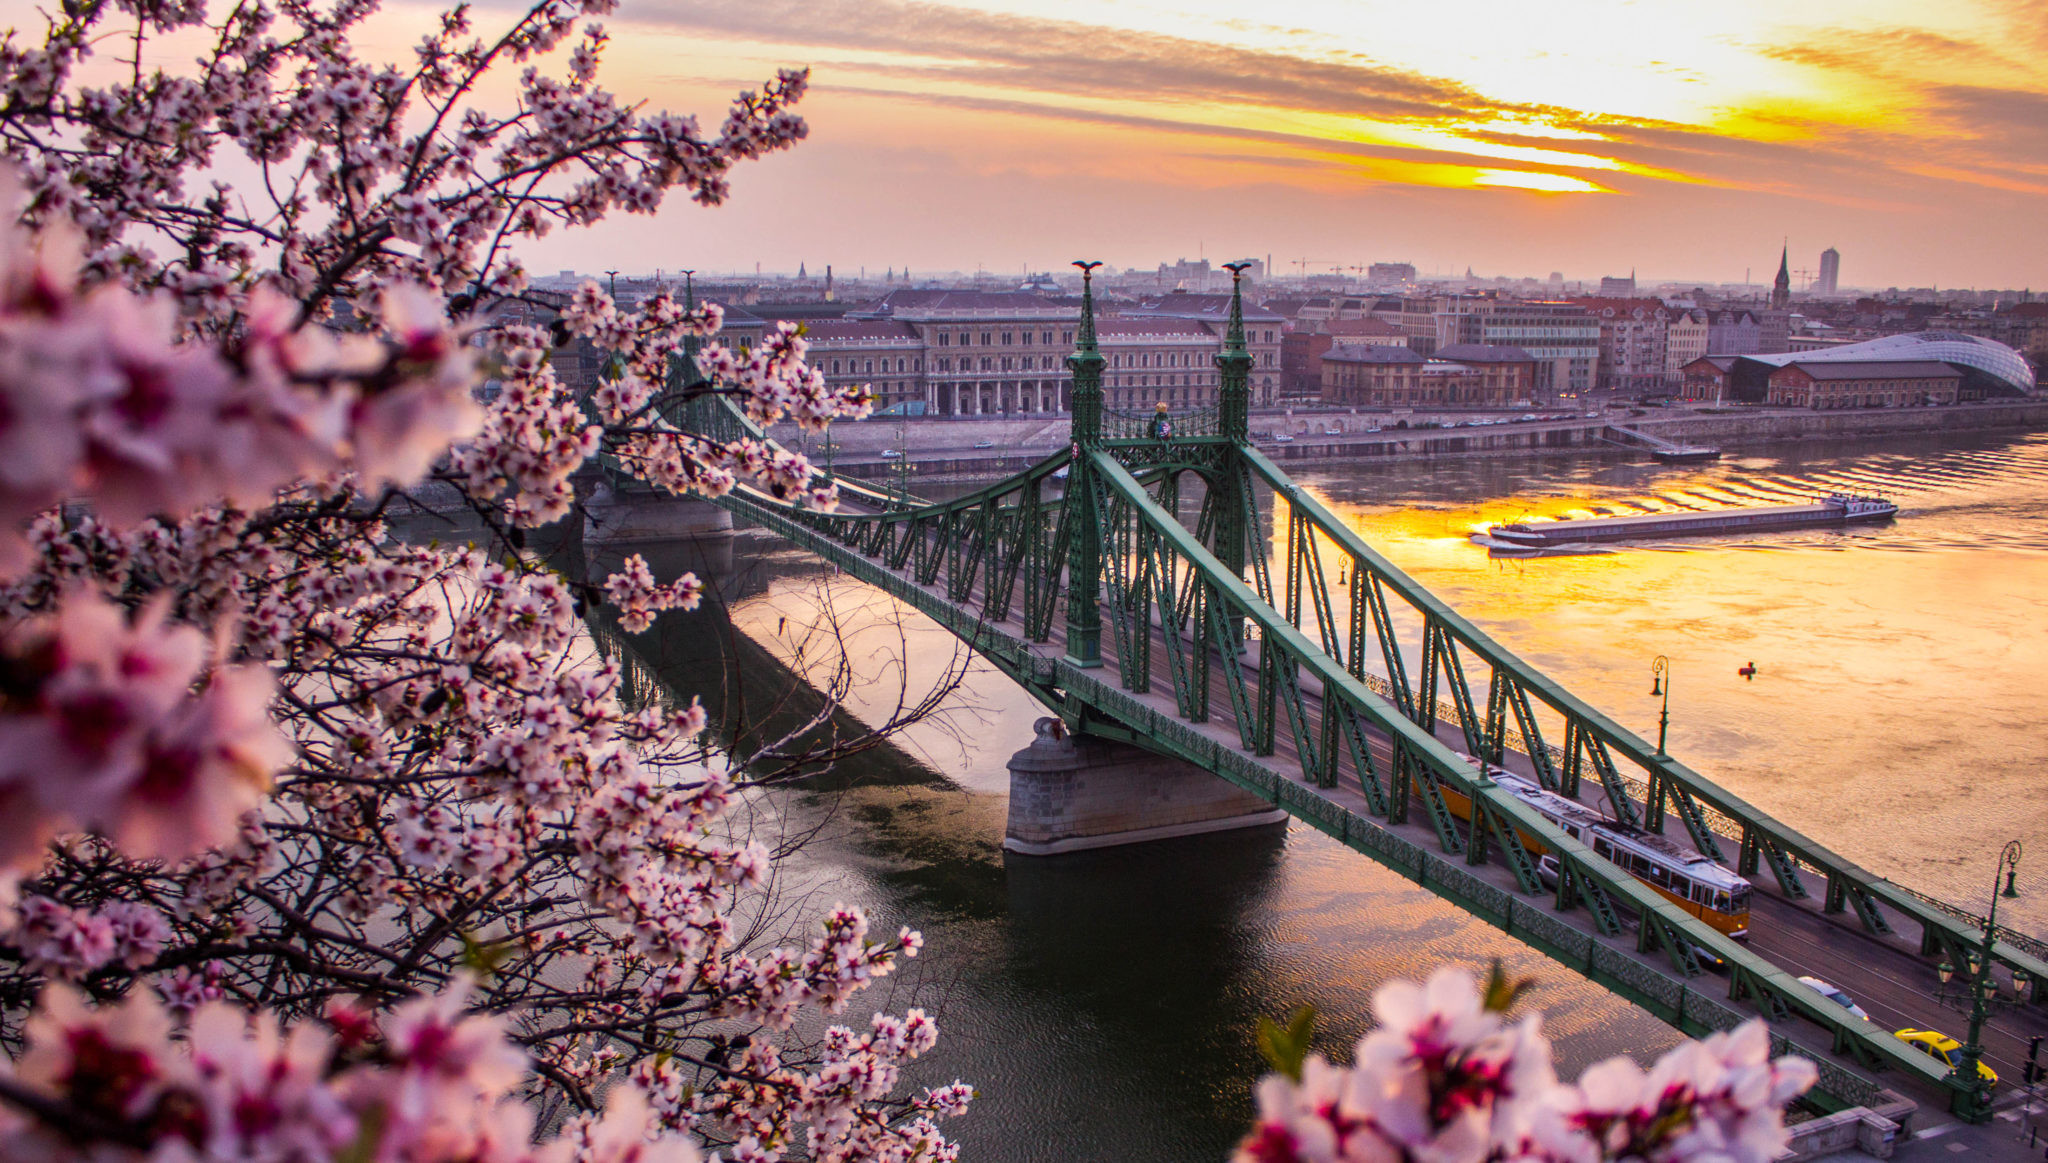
752	697
1105	1002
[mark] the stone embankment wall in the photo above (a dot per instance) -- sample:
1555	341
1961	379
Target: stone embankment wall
1782	425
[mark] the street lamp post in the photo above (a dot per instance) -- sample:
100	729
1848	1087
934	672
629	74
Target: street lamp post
1972	1102
1660	684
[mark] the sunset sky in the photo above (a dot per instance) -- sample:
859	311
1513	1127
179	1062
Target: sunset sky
1588	136
1680	140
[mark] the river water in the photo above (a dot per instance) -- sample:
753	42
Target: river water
1105	1003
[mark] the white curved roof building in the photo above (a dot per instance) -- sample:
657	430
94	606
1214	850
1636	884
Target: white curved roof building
1997	361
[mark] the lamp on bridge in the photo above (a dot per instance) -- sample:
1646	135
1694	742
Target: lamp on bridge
1660	684
1972	1099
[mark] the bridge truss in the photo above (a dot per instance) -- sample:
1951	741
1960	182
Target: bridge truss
1124	583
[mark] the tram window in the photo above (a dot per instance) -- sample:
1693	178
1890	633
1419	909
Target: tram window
1654	873
1572	832
1721	902
1600	848
1681	887
1741	900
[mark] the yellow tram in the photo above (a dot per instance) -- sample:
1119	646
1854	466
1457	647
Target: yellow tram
1686	878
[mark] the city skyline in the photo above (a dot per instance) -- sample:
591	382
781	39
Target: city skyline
1806	281
1819	281
953	134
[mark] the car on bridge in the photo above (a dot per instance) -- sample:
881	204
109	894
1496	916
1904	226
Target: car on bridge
1834	994
891	454
1936	1044
984	444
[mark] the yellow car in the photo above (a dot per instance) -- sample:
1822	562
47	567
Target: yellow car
1936	1044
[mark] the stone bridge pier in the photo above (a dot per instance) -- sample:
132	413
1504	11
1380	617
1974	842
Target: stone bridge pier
1070	793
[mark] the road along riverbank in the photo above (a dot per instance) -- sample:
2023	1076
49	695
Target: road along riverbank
940	450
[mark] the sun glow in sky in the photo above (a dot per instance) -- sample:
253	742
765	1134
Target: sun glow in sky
1592	136
1589	136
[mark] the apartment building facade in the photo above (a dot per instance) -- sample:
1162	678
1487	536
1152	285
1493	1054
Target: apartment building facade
1262	330
886	355
1562	337
1152	360
1634	337
1875	384
1685	340
985	353
1004	353
1461	375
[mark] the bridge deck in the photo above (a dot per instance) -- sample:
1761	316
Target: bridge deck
1887	975
997	566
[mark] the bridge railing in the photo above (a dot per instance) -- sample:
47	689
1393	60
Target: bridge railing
1426	768
1593	741
1723	824
1118	425
957	562
1639	789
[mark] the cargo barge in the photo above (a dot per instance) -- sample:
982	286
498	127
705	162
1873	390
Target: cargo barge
1835	509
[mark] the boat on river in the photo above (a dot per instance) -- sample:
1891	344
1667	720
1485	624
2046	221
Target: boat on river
1834	509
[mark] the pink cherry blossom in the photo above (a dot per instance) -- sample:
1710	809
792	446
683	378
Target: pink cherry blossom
113	737
633	591
259	746
1445	1079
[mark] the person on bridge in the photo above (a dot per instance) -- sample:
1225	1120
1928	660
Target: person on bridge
1162	428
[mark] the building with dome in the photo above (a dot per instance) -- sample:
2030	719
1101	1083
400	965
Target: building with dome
1895	370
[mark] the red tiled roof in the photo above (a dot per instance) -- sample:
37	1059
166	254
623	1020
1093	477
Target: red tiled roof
1600	306
1358	327
952	300
1901	369
852	330
1192	306
1378	353
1484	353
1150	325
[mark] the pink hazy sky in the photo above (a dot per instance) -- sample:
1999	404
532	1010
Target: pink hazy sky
1681	141
1587	136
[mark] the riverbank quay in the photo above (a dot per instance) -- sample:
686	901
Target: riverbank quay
947	449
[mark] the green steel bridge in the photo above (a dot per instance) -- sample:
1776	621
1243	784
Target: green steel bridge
1125	583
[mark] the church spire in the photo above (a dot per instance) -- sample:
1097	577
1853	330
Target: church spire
1781	289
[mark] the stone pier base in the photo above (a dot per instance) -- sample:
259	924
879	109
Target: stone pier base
1068	794
638	515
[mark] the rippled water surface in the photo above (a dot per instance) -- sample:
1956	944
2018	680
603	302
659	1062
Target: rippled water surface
1105	1003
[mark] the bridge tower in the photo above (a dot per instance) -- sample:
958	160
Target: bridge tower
1170	719
1234	405
1084	563
622	514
